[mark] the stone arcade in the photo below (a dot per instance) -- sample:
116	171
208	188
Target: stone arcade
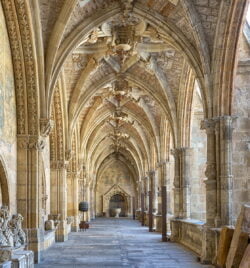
138	107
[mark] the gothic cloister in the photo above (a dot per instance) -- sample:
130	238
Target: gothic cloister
140	109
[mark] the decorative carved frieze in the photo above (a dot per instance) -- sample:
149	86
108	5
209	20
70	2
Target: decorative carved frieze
58	164
17	57
30	142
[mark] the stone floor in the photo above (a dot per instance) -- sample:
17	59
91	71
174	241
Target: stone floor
118	243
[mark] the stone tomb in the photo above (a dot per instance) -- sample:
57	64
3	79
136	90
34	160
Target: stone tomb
240	238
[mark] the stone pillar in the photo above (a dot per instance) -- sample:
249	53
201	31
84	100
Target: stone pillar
158	187
186	167
177	186
164	213
58	176
211	183
150	211
29	176
92	203
224	130
80	196
87	198
164	200
75	224
142	209
153	178
208	241
147	188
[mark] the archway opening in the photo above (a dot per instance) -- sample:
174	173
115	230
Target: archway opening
118	201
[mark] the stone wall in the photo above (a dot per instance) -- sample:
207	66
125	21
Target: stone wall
241	140
188	233
116	173
8	156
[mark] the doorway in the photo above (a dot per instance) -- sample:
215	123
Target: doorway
117	201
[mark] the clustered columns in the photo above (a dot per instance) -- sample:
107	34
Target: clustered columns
147	187
187	160
59	196
28	184
177	186
219	179
153	198
141	201
183	173
73	190
163	199
224	131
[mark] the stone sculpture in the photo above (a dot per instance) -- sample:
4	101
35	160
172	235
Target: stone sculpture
11	233
7	239
15	224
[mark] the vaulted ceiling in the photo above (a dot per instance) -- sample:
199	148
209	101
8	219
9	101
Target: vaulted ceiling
125	69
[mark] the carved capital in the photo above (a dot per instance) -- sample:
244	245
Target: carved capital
208	125
46	126
175	152
151	173
211	171
30	142
226	124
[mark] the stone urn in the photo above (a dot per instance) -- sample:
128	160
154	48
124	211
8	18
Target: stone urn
117	212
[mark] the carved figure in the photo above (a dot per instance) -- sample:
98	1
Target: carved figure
19	236
3	240
8	235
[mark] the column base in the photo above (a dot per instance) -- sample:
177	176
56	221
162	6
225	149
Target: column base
62	232
146	218
158	219
175	230
208	253
35	238
75	224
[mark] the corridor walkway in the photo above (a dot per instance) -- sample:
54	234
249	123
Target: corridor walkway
118	243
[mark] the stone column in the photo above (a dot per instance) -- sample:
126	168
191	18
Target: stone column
164	213
75	224
177	185
158	187
58	176
142	209
87	199
164	200
139	189
211	183
208	241
154	189
186	167
80	195
29	148
92	203
150	211
147	188
224	132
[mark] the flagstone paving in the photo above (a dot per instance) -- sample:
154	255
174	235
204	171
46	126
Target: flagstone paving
118	243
